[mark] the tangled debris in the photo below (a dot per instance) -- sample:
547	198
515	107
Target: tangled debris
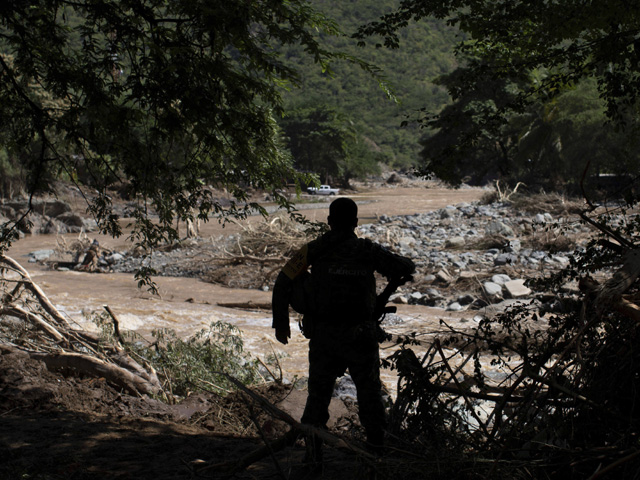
32	324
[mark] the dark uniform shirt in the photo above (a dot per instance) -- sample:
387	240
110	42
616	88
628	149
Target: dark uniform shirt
343	285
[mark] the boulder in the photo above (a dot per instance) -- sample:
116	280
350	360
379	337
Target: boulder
499	228
517	289
39	255
505	259
443	276
500	278
71	219
454	307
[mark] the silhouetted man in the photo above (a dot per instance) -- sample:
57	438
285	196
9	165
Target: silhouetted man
338	304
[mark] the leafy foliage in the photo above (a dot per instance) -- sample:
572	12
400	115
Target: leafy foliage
324	140
546	390
408	73
548	144
199	362
174	97
517	59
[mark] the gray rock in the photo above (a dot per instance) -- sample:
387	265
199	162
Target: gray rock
505	259
455	242
54	227
444	276
517	289
49	208
454	307
406	242
514	246
399	299
539	218
560	259
434	294
39	255
114	258
71	219
504	305
492	289
499	228
500	278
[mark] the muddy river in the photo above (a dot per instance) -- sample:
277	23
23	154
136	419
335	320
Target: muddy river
186	305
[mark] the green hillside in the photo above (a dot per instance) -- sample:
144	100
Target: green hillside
426	52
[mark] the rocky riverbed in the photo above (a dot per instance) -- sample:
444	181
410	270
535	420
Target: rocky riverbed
469	256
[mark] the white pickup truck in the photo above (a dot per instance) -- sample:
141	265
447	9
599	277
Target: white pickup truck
323	190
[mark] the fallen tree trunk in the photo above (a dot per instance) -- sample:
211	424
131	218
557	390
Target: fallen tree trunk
36	320
35	289
85	364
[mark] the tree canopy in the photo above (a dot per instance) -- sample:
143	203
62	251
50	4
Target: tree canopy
174	97
325	140
516	54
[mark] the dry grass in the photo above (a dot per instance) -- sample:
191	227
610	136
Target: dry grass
551	241
279	235
553	203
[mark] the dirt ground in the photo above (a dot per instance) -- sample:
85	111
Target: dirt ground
61	426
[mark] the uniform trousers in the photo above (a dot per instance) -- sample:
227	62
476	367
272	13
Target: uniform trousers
332	351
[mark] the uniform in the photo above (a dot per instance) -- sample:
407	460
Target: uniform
339	303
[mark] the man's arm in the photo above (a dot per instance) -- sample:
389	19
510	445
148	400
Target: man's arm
280	307
391	265
281	297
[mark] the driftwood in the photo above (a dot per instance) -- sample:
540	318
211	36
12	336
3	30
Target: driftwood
246	305
611	294
92	366
7	262
39	322
54	341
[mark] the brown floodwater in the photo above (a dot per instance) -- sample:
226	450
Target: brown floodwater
187	305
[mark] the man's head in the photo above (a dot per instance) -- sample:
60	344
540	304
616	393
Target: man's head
343	214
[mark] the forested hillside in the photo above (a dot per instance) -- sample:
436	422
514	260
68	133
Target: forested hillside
426	53
338	120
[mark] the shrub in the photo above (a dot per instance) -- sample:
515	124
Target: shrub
194	364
